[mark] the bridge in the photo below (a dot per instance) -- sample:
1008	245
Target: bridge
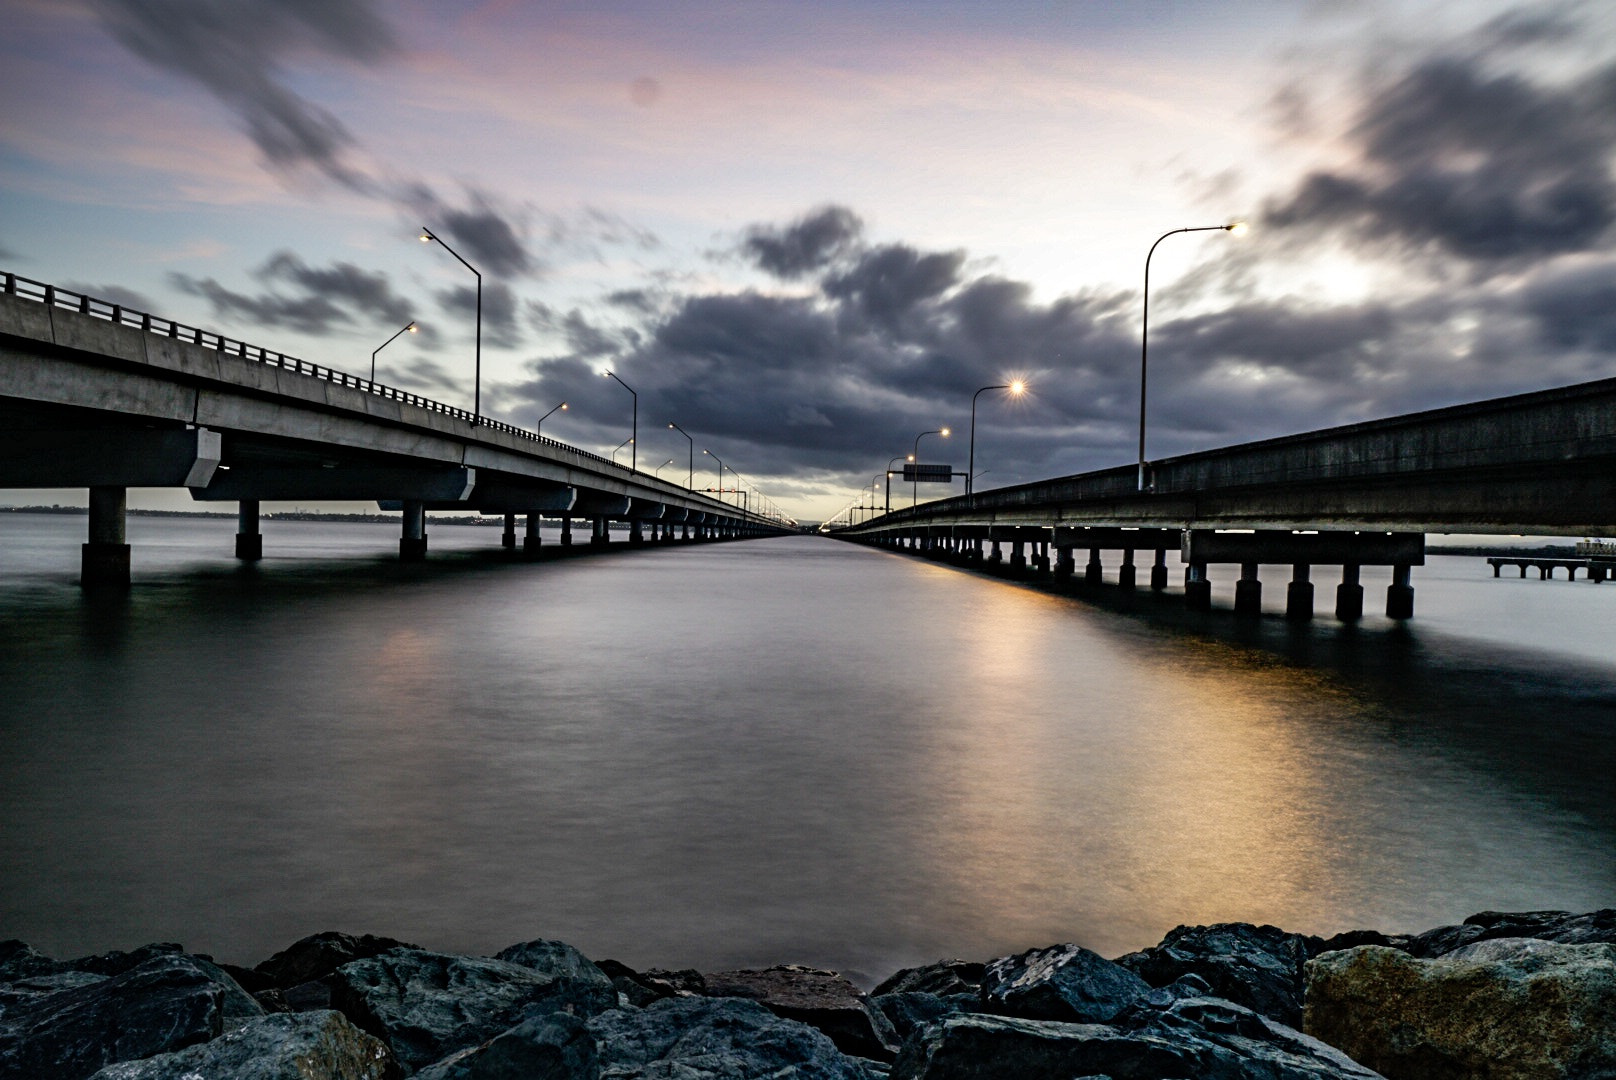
94	395
1359	495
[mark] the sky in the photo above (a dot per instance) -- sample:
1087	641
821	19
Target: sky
807	233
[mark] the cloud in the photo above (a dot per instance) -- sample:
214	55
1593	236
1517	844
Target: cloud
1468	161
499	326
129	299
321	302
808	244
888	282
237	52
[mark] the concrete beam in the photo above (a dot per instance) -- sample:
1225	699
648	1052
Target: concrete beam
1327	548
109	457
361	483
600	504
1114	538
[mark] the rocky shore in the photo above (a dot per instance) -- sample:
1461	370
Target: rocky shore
1517	995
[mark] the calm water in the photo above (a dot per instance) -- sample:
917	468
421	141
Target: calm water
783	750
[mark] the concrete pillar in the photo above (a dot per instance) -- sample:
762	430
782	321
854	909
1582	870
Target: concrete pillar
1197	588
530	537
566	530
249	541
1349	595
1127	572
1018	557
1093	572
412	543
994	554
507	539
636	532
599	534
1400	594
1496	568
104	558
1248	591
1065	564
1299	594
1158	571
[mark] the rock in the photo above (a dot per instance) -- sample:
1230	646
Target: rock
1062	982
1353	938
1259	967
20	960
631	986
592	987
164	1004
550	1047
1506	1008
1203	1038
821	999
427	1005
1443	940
909	1009
943	978
695	1038
286	1046
14	995
318	955
117	962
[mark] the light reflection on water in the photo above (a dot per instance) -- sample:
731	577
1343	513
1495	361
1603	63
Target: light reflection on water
791	750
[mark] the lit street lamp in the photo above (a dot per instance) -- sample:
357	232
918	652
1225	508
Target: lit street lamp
1016	388
634	432
427	237
628	442
538	429
899	457
411	328
690	481
914	485
720	461
657	472
1235	227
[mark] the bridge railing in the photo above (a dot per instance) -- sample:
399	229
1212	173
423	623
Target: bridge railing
57	297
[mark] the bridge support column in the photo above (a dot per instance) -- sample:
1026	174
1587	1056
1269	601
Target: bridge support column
412	544
995	555
1127	572
104	558
249	541
507	539
636	532
566	530
1065	563
1093	572
1299	594
599	534
1349	595
1158	571
1197	588
530	537
1018	558
1400	594
1496	568
1248	591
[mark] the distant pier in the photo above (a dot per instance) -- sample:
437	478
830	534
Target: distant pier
1596	558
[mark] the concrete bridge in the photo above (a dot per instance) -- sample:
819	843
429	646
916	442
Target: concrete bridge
1361	495
96	396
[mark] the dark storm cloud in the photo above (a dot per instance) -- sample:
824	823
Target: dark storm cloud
806	245
1575	306
890	281
1492	167
498	312
486	234
236	50
323	300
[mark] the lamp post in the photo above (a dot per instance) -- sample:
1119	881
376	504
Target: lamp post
720	461
1016	388
690	481
628	442
914	485
657	472
427	237
538	429
634	432
898	457
1235	227
411	328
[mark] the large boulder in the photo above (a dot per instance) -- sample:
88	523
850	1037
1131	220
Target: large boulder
1506	1009
1564	927
554	1046
1259	967
318	955
821	999
1063	982
1203	1038
907	1010
592	987
428	1005
167	1003
694	1038
944	978
304	1046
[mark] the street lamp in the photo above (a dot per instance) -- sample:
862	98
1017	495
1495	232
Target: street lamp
634	432
1016	388
1238	228
427	237
720	461
628	442
899	457
538	429
690	481
657	472
411	328
914	485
